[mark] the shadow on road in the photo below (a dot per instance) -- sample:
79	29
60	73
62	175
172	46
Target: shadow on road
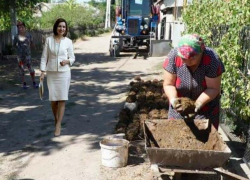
95	99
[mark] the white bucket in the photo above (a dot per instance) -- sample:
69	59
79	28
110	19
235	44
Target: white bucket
114	152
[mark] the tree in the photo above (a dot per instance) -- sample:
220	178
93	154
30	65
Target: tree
23	8
5	5
71	4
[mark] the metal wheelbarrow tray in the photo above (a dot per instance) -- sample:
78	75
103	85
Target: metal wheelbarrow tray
180	157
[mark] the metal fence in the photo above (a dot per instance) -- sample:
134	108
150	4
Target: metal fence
246	157
245	45
244	42
217	34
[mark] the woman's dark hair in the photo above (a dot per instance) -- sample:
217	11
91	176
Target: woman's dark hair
58	21
19	23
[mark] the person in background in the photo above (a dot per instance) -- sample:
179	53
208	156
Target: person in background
23	42
57	57
193	70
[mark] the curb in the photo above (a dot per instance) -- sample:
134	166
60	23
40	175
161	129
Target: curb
239	165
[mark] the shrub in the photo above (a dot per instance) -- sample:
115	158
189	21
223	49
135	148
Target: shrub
207	17
79	16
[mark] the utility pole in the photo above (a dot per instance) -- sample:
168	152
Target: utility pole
13	21
184	4
174	9
107	20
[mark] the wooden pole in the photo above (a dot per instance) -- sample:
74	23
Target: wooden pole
223	172
184	3
175	9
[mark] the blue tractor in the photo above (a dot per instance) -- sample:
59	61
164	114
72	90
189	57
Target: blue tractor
136	22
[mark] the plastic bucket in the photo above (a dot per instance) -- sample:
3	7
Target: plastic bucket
114	152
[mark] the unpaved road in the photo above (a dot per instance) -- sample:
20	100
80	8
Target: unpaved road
28	150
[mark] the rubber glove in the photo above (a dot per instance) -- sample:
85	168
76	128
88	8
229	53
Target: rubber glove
190	116
175	102
198	106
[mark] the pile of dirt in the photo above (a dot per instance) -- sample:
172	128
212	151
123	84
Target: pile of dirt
150	102
179	134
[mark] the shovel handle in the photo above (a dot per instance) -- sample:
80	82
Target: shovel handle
223	172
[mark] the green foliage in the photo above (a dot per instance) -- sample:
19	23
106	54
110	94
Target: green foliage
75	15
101	5
4	21
71	4
201	17
24	12
73	36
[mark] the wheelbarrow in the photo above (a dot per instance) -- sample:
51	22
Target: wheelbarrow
170	154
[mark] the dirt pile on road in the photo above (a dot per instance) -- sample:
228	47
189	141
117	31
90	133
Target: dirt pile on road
145	100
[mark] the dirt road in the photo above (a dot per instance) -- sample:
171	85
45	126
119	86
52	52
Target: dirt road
99	84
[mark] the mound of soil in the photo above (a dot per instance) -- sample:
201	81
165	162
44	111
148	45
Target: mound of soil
152	104
178	134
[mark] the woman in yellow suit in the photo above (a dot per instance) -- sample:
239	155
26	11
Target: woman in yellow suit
57	57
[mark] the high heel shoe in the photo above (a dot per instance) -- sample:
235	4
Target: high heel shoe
57	131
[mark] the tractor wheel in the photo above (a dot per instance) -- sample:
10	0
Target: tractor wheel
116	51
148	50
111	50
111	53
